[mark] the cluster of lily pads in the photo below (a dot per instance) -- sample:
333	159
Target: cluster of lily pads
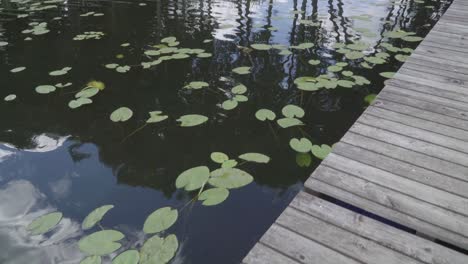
37	28
89	35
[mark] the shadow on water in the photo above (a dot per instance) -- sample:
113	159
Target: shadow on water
74	160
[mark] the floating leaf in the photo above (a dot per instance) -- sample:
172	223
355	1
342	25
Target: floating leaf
306	45
95	216
229	104
229	164
255	157
169	39
302	145
241	70
157	250
239	89
123	69
219	157
87	93
345	83
91	260
334	68
121	114
45	223
10	97
155	117
193	179
101	242
412	38
293	111
192	120
289	122
347	73
303	159
213	196
45	89
230	178
354	55
401	57
265	114
79	102
18	69
261	46
204	55
370	98
127	257
322	151
111	65
160	220
96	84
314	62
387	74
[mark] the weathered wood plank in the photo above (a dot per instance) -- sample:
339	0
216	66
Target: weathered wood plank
437	79
383	234
460	95
260	254
421	60
433	70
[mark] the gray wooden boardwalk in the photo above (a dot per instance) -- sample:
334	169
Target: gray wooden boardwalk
405	160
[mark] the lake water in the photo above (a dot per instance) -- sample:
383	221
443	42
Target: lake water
60	157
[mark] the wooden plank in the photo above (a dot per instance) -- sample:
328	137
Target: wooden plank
410	143
418	123
460	95
386	212
433	70
403	169
406	155
260	254
441	54
439	60
448	42
302	249
437	79
424	105
437	64
340	240
383	234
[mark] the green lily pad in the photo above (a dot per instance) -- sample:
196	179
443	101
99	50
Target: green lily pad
374	60
45	89
219	157
241	70
213	196
95	216
347	73
156	116
123	69
45	223
204	55
387	74
302	46
127	257
79	102
91	260
401	57
370	98
18	69
285	52
240	98
314	62
334	68
293	111
157	250
101	242
229	164
302	145
160	220
289	122
261	46
168	39
239	89
265	114
111	65
229	104
255	157
412	38
354	55
345	83
230	178
193	179
303	159
87	93
322	151
10	97
121	114
192	120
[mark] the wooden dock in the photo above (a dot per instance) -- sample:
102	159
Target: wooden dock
404	162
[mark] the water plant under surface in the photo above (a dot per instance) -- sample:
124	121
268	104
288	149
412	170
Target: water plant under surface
176	131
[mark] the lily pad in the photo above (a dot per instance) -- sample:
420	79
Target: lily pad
303	159
370	98
45	89
157	250
79	102
239	89
155	117
45	223
261	46
95	216
10	97
230	178
255	157
101	242
229	164
213	196
265	114
241	70
322	151
289	122
387	74
302	145
229	104
160	220
91	260
87	93
412	38
121	114
314	62
18	69
193	179
127	257
334	68
293	111
219	157
192	120
354	55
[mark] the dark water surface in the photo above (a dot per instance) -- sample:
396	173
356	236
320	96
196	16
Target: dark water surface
53	158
